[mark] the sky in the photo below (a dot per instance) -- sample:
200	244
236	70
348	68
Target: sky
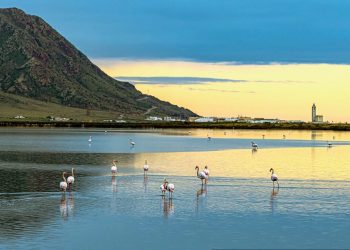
259	58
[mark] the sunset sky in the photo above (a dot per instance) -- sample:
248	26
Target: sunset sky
256	58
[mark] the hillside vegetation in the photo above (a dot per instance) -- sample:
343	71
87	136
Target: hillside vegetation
36	62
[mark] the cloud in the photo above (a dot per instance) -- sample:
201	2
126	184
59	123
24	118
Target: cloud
220	90
169	80
176	80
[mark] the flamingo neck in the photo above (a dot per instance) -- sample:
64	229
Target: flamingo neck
64	178
73	172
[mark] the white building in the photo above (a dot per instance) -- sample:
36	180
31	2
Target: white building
169	119
204	119
19	117
154	118
314	117
231	119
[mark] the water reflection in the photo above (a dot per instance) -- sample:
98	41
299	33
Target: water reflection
66	205
167	206
200	195
273	198
114	183
63	206
145	182
70	204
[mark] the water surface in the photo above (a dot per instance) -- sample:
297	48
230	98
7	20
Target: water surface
237	209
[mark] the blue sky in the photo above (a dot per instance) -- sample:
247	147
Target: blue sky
247	31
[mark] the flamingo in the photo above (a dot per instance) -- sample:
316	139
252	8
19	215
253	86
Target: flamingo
284	136
254	145
206	170
274	177
201	175
114	168
70	179
163	189
329	144
166	186
263	136
63	184
209	138
132	143
170	188
145	168
90	139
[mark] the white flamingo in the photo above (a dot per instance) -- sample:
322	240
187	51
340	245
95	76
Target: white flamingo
90	139
201	175
166	186
132	143
70	179
254	145
114	168
206	170
170	188
63	184
329	144
274	177
145	168
163	189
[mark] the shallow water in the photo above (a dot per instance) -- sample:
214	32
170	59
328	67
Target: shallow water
237	209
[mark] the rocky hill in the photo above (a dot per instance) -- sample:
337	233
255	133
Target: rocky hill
37	62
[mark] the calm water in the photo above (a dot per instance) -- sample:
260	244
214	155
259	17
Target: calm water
237	209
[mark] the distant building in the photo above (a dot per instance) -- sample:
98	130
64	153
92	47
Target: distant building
169	119
262	120
314	117
313	113
204	119
231	119
59	119
244	119
154	118
295	121
319	118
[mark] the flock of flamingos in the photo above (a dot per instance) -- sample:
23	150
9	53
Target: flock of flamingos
165	187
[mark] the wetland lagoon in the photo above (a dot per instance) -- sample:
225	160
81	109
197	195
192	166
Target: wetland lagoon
237	209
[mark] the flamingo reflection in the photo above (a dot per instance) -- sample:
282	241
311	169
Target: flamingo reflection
66	206
145	182
201	193
114	184
70	204
63	206
168	206
273	197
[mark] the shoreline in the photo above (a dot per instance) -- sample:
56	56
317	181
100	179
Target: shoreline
180	125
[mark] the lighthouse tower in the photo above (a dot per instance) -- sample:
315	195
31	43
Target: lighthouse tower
313	113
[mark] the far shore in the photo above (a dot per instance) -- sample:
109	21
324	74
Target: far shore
179	125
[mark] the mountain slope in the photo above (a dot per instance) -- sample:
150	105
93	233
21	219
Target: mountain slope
37	62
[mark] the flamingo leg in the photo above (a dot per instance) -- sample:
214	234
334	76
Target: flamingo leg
278	184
